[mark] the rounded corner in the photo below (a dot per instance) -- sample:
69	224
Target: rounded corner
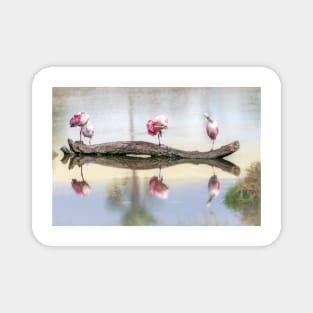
38	238
274	238
40	74
272	74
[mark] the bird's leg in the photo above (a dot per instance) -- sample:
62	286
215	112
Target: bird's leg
160	135
160	172
159	139
81	173
212	145
90	141
213	170
80	134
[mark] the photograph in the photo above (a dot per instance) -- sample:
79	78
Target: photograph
156	156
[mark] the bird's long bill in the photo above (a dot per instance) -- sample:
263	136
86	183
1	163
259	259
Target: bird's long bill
209	202
206	115
163	126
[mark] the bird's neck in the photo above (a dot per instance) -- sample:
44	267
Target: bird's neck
212	123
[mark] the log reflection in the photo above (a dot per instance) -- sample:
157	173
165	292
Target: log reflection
139	163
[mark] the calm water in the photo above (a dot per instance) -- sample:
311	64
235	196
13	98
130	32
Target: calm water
97	194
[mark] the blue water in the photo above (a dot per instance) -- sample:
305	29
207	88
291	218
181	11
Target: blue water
186	205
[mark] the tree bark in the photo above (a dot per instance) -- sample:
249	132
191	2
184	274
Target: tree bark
125	148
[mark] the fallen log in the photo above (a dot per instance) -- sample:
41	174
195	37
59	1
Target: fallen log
124	148
136	163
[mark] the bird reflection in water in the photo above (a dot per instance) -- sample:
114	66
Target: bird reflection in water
157	188
81	187
214	190
214	187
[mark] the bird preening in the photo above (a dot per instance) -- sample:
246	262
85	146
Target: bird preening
157	125
211	128
81	119
160	123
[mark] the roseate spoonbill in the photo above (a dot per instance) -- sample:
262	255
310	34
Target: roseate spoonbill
88	131
82	188
211	129
79	119
214	188
158	188
157	125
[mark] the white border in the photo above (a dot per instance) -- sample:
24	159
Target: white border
156	77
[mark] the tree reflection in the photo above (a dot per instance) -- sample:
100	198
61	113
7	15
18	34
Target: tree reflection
136	215
245	196
81	187
115	195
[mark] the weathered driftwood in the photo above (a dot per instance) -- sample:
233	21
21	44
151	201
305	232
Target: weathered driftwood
135	163
123	148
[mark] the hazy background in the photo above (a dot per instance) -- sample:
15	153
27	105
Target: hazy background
36	34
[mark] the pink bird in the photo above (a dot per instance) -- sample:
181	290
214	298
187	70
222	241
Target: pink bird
88	131
211	129
79	119
158	188
80	187
214	188
157	125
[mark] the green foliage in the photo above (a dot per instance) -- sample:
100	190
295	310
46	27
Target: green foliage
245	196
138	217
115	196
